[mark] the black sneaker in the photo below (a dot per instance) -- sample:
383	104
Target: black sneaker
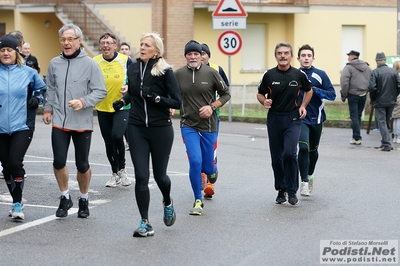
213	178
293	199
281	198
83	211
65	205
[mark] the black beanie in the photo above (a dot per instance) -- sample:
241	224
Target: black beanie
205	49
192	46
9	41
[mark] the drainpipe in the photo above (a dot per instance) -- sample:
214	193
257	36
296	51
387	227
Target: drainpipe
164	27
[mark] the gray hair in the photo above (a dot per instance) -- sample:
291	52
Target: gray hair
17	34
285	44
77	30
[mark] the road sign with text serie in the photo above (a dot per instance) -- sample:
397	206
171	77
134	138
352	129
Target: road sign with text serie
229	14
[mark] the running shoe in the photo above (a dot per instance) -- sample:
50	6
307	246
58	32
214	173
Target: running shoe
115	180
144	229
281	198
124	179
197	208
83	211
17	213
169	214
209	190
355	142
213	178
293	199
12	209
65	205
304	189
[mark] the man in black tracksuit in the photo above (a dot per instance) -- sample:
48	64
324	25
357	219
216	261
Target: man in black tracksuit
279	92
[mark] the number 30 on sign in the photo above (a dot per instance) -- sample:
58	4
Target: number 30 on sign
230	42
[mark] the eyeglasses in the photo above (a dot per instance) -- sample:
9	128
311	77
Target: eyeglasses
69	39
104	43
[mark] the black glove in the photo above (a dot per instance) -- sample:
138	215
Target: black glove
33	102
117	105
147	93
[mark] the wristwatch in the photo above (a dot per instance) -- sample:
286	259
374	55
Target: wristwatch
213	107
157	99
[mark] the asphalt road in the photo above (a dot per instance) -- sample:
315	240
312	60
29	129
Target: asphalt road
356	197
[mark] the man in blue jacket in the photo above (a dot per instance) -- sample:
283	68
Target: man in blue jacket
311	126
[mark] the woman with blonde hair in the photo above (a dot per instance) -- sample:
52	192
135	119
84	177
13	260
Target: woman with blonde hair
396	112
17	117
153	90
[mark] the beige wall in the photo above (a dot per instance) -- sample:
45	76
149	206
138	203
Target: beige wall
128	20
44	41
322	29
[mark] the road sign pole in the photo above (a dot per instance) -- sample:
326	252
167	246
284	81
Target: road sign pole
230	90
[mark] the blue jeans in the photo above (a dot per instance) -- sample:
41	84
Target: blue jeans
356	107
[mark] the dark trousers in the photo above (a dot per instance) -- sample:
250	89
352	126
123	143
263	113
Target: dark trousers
356	107
382	117
284	132
157	142
12	152
60	141
113	127
308	149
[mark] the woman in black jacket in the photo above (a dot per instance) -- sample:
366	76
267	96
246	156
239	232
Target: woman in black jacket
153	90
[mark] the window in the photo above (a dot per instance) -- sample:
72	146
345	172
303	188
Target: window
253	48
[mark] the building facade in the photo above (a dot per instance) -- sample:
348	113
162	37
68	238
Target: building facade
332	27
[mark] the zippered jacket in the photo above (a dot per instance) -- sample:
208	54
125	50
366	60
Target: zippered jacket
384	86
17	84
69	79
145	111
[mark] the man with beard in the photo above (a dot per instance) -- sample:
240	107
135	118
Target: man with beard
199	84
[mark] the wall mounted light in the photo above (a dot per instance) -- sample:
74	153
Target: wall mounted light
47	24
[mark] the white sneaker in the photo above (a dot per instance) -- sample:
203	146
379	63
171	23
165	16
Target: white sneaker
355	142
310	183
125	180
304	190
17	212
12	210
115	180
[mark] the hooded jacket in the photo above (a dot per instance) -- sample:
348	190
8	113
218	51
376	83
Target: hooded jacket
17	86
68	79
354	79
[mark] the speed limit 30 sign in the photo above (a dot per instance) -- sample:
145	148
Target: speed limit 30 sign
230	42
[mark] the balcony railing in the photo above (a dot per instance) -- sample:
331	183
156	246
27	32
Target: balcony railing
81	15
